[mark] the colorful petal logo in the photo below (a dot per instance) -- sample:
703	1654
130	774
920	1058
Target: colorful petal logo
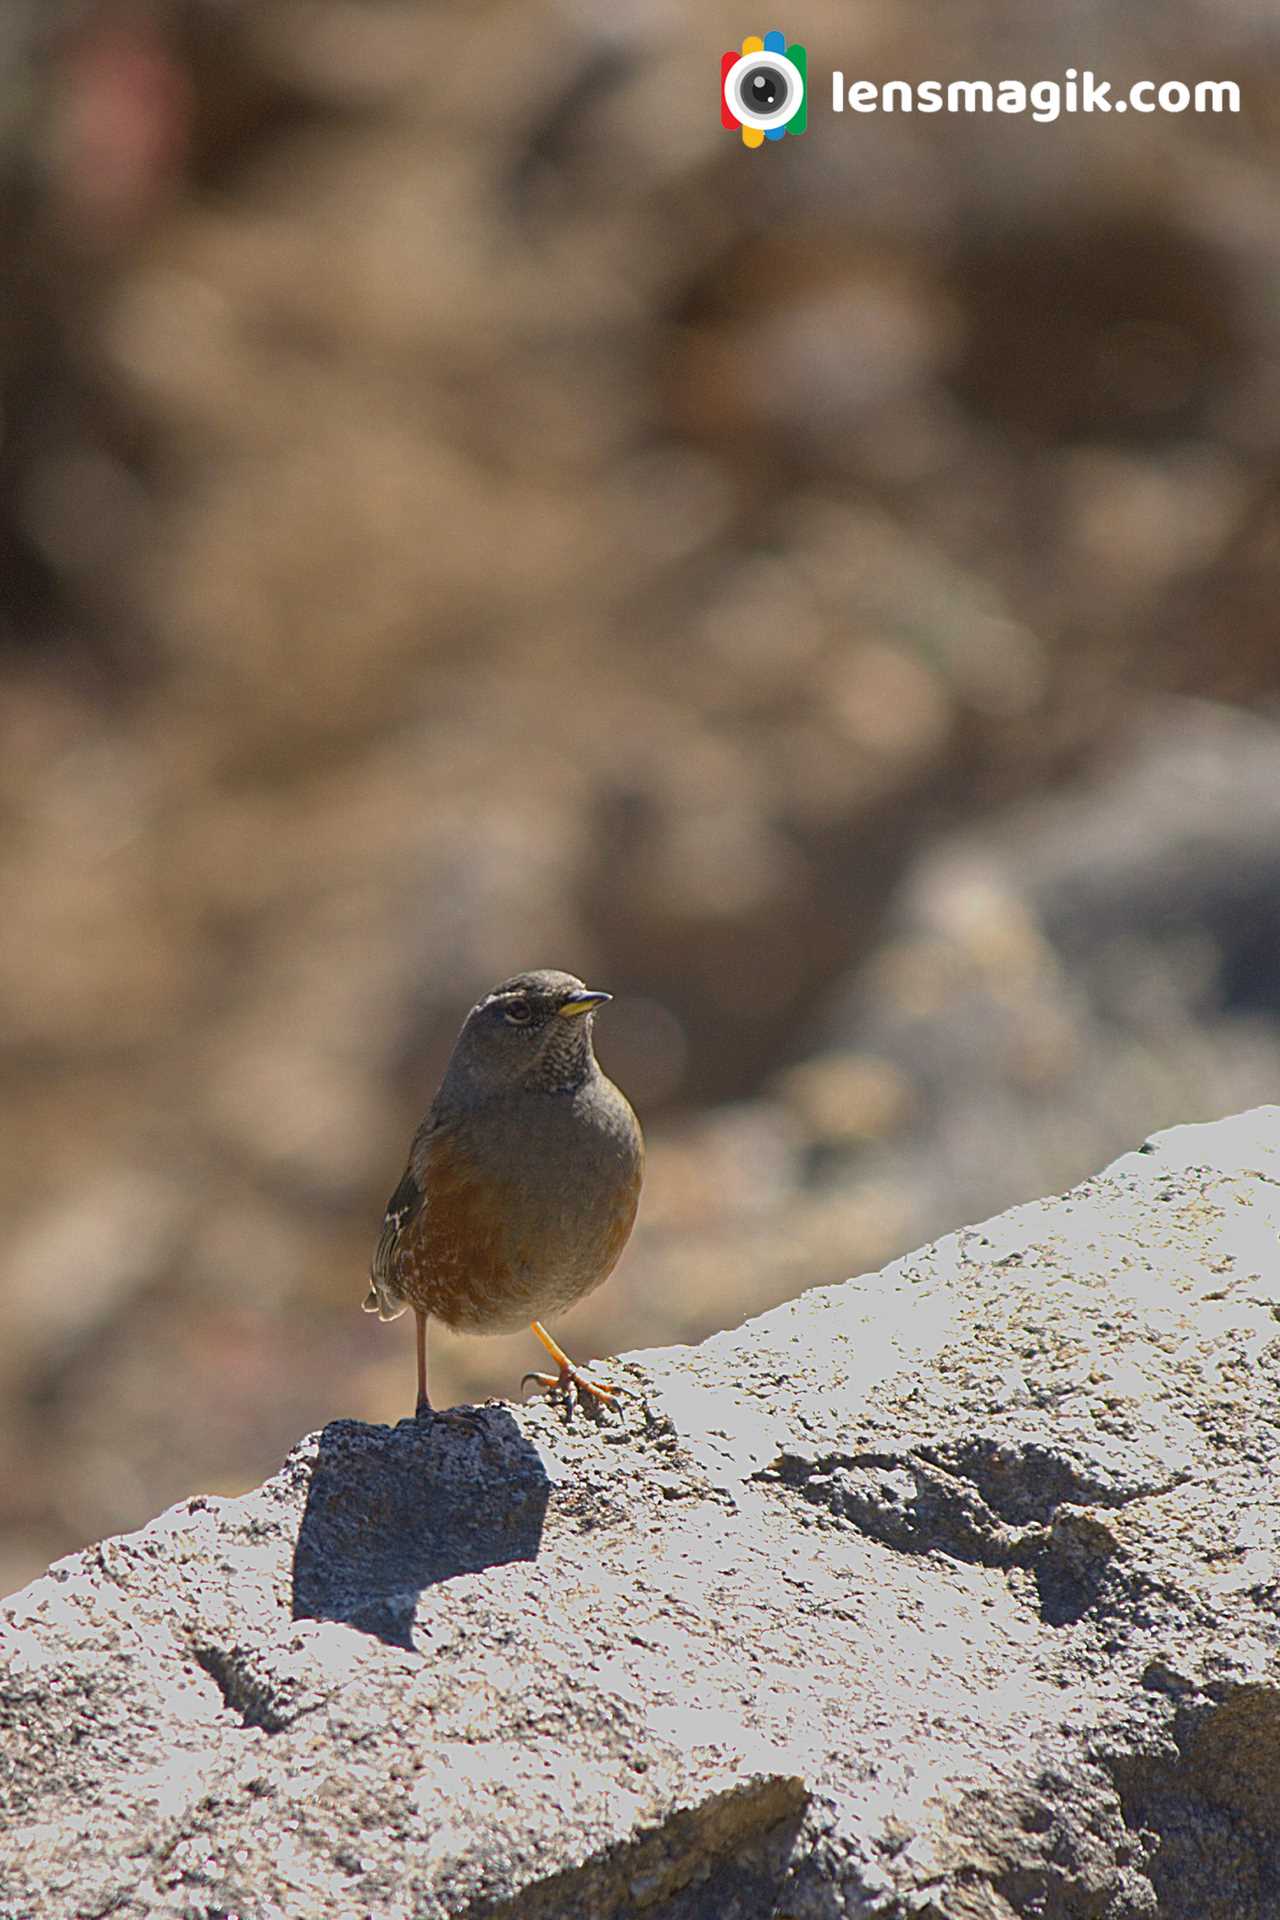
762	89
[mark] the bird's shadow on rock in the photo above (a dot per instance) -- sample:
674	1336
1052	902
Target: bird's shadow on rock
392	1510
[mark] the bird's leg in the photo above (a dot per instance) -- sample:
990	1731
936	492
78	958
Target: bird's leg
423	1409
471	1418
569	1375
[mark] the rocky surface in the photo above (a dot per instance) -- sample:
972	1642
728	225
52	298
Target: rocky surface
950	1592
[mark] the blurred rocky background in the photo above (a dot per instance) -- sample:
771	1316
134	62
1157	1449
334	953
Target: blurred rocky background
460	510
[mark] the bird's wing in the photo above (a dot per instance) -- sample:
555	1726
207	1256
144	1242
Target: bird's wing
403	1207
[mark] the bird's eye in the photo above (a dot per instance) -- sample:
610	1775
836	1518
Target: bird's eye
518	1012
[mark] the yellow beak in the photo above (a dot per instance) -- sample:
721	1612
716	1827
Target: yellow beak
584	1001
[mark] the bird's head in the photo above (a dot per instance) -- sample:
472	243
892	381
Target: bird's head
532	1031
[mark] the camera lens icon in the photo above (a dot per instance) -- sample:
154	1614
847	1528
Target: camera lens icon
762	89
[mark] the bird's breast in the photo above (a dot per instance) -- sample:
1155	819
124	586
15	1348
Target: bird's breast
525	1215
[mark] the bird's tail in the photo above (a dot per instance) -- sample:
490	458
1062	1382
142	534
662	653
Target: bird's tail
386	1305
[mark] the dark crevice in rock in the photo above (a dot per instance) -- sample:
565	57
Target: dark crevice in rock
1075	1569
255	1704
729	1854
1206	1802
1025	1481
908	1503
1028	1858
960	1501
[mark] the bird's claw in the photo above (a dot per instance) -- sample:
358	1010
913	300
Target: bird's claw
469	1419
571	1381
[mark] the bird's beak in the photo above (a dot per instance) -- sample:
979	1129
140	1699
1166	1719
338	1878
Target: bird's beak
584	1001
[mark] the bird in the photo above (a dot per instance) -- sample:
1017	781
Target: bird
522	1182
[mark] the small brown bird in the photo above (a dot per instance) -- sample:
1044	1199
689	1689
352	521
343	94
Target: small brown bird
523	1180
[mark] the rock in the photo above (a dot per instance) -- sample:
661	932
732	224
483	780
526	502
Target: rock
949	1592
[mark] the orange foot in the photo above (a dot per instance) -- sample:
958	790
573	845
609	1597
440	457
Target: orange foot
569	1377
